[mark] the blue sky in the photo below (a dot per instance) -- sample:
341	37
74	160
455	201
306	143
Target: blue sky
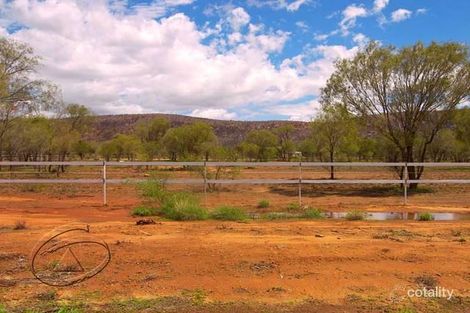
247	60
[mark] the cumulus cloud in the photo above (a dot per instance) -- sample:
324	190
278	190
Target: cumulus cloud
401	15
219	114
379	5
238	18
117	60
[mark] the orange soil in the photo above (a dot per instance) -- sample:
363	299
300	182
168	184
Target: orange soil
258	260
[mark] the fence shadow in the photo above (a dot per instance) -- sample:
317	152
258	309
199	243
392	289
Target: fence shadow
348	191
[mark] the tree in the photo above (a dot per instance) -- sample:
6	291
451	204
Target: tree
248	150
79	117
266	142
20	93
126	146
28	139
190	141
151	132
335	131
407	95
286	146
107	150
308	149
461	123
82	148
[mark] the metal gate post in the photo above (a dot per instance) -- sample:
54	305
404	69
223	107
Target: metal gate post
105	195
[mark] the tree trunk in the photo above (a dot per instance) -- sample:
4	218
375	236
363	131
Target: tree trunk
332	168
412	170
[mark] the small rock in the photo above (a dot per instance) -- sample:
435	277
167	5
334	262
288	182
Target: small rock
145	221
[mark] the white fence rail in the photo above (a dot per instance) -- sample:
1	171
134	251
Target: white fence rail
405	181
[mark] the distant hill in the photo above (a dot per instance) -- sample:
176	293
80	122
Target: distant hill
228	132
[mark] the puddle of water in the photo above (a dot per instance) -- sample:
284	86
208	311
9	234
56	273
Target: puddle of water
384	216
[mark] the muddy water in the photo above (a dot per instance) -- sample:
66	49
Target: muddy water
383	216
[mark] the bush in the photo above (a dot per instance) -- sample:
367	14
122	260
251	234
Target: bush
143	211
355	215
313	214
263	204
292	207
228	213
182	206
425	217
153	190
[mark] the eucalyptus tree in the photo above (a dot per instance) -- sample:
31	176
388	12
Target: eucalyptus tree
21	94
406	95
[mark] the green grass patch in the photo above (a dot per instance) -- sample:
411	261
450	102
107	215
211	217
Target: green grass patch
182	206
143	211
355	215
293	207
313	214
229	213
71	308
263	204
425	217
153	190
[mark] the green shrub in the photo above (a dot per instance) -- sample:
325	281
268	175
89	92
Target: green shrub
292	207
153	190
355	215
425	217
70	309
263	204
313	214
228	213
181	206
143	211
2	309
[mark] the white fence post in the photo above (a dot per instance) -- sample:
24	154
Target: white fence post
405	184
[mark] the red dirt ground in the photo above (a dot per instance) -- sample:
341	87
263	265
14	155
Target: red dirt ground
256	261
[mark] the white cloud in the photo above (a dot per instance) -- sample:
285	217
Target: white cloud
295	5
118	61
379	5
401	15
279	4
298	112
350	15
218	114
238	18
421	11
360	39
321	37
302	25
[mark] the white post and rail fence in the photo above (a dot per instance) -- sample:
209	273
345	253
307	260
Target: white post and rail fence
104	180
